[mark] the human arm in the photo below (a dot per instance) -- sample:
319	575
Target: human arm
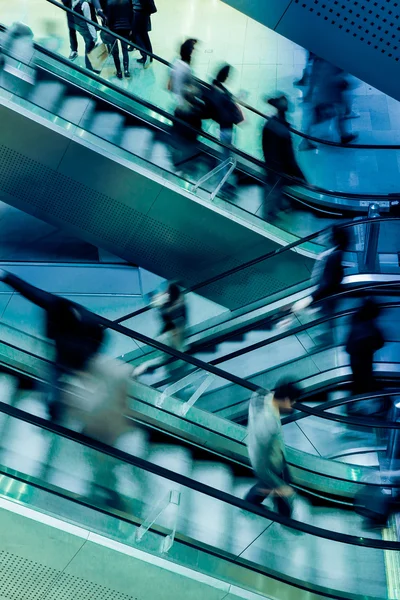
28	291
88	15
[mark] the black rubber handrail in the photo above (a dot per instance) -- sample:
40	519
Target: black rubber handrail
294	331
353	291
268	255
288	179
322	407
187	482
244	104
156	109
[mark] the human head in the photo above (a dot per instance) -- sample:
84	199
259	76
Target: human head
285	395
368	311
340	237
223	74
186	50
173	291
281	103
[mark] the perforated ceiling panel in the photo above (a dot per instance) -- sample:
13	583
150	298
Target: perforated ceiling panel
360	36
25	579
373	23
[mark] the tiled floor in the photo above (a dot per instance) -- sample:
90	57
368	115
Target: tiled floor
264	63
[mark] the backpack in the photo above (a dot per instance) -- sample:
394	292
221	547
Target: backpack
222	108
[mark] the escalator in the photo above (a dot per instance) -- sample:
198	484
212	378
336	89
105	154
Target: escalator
174	408
88	114
186	496
219	335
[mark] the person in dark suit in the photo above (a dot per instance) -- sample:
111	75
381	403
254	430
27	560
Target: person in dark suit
279	155
142	11
364	339
119	19
76	333
330	280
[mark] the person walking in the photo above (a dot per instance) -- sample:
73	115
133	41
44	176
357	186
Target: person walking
181	73
266	446
75	331
227	112
82	8
364	339
119	19
142	11
279	155
73	38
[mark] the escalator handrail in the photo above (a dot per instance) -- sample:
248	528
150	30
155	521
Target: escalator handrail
100	27
290	180
371	288
259	259
322	407
187	482
295	330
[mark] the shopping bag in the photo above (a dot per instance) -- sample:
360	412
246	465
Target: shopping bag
98	56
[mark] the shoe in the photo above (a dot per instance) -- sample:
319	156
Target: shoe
352	115
73	55
131	48
305	144
119	74
127	73
347	139
146	62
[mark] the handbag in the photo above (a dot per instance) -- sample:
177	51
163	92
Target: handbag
98	56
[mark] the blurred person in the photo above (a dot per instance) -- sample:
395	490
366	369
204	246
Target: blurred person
328	273
52	40
119	19
76	333
364	339
18	42
97	398
266	446
329	101
279	154
305	78
185	130
82	8
181	72
226	112
142	11
17	45
172	309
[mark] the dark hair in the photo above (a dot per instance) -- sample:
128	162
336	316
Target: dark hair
286	389
222	74
340	237
174	292
368	311
186	50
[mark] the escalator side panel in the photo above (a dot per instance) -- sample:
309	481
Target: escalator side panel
54	175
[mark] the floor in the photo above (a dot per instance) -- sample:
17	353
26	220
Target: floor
264	63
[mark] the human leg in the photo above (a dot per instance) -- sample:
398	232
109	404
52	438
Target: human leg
73	39
124	47
258	493
117	61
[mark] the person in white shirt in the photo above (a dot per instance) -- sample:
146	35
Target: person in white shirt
266	446
181	73
87	31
